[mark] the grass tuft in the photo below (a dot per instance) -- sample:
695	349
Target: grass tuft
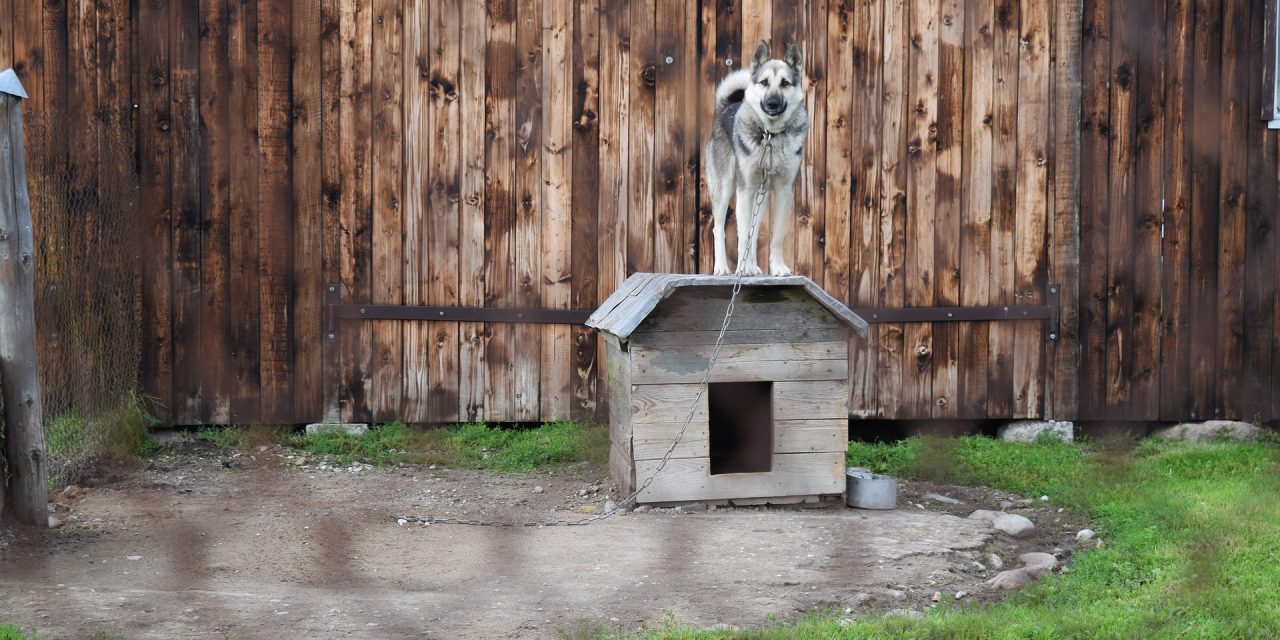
479	446
76	444
382	444
224	438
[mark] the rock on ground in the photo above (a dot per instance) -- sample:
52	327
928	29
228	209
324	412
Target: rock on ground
1039	559
938	497
1212	430
1084	535
985	514
1011	579
1032	430
349	428
1014	525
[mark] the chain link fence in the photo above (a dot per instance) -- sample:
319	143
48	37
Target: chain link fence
84	200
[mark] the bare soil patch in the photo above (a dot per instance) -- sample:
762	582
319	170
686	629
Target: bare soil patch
190	547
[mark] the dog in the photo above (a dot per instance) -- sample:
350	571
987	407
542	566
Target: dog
754	151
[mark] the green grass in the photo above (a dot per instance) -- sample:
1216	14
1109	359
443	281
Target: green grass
554	444
1191	538
75	442
382	444
224	438
10	632
474	446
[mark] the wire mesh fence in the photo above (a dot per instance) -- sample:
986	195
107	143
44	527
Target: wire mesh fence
84	198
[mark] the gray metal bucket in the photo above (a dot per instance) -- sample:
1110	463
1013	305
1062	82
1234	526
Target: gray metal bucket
866	490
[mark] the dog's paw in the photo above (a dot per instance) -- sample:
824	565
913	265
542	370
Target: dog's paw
779	269
745	269
722	269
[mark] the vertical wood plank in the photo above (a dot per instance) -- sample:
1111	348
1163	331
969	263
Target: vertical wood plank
471	230
387	239
1030	239
669	132
1062	362
1176	245
949	210
586	196
614	151
499	198
556	277
529	207
1121	209
1261	293
154	199
1206	137
210	355
921	156
243	216
975	229
843	228
1233	117
308	237
276	213
29	50
641	78
893	208
331	151
186	164
419	170
1000	345
443	208
355	121
705	81
728	58
1148	196
7	28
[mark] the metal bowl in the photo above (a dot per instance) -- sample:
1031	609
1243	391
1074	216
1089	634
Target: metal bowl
866	490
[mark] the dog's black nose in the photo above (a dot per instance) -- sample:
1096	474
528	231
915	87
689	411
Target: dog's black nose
773	105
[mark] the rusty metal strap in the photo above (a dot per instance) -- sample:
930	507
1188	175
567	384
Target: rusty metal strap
1047	312
336	310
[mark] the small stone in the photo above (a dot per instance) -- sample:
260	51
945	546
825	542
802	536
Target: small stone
133	557
679	509
610	506
937	596
1035	430
54	522
1212	430
263	448
896	595
1084	534
1037	559
961	594
401	521
641	508
587	508
984	514
1014	525
432	467
538	489
349	428
1061	509
937	497
1044	498
1011	579
299	461
995	561
582	492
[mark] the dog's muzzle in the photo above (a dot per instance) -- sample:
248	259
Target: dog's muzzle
773	106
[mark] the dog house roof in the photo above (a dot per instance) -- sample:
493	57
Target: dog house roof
640	294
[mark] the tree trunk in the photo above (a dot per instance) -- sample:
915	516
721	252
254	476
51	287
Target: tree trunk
19	371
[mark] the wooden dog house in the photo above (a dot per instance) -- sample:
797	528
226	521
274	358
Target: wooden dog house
773	422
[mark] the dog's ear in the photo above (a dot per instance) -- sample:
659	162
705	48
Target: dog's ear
794	57
761	55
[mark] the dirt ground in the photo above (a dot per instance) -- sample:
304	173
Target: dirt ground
190	547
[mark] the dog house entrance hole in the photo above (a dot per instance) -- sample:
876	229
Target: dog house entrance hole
741	429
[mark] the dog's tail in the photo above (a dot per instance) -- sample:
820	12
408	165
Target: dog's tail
733	88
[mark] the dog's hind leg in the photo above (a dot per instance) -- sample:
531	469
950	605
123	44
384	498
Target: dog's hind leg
749	216
779	225
720	188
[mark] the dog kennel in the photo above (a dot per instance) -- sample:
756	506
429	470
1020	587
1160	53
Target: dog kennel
772	425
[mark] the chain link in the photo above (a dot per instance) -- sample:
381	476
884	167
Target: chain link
761	194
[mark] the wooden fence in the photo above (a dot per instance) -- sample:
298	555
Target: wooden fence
532	154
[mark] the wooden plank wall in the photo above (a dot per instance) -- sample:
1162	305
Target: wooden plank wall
513	154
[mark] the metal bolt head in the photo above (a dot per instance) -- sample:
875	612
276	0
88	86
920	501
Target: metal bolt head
362	310
728	62
332	335
332	289
670	59
1053	335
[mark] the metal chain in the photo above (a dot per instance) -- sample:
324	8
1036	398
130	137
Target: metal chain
761	194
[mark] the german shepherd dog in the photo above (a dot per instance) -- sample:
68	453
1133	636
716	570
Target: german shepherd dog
755	149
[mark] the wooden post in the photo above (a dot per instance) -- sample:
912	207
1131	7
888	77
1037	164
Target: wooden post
19	373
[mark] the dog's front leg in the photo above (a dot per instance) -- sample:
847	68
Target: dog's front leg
779	225
749	215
